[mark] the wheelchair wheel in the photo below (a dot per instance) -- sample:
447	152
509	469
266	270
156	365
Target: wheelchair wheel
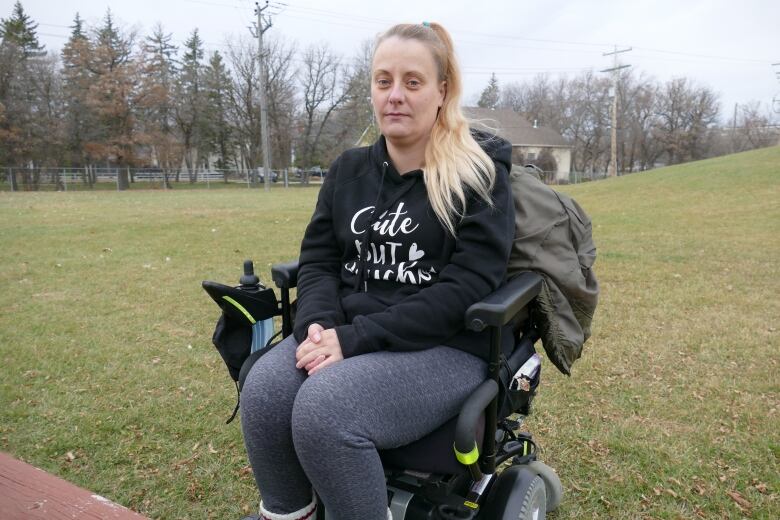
517	494
552	483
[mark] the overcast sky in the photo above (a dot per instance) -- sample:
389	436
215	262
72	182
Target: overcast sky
726	45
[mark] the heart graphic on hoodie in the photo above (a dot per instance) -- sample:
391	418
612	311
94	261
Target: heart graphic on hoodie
414	253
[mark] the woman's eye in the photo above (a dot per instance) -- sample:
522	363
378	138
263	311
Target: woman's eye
382	82
413	83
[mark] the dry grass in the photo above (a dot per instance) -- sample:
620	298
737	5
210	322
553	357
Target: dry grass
671	413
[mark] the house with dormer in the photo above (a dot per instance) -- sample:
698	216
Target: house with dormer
532	143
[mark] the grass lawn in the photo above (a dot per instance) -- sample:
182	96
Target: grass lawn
109	378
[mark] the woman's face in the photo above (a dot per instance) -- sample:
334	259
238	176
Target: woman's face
405	90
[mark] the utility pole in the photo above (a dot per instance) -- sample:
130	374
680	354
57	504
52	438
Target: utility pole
260	27
776	98
612	172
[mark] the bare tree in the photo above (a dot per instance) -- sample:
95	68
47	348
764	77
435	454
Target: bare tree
587	121
353	123
324	90
281	96
752	127
686	114
46	122
639	150
244	106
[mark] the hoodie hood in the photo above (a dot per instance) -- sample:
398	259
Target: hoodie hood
497	148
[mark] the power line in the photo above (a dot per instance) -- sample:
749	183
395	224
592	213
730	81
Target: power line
664	59
318	14
333	14
352	16
707	56
465	69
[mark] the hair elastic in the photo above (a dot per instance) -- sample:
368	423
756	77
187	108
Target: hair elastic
426	24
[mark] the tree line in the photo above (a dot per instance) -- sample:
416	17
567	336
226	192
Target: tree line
111	98
114	98
658	123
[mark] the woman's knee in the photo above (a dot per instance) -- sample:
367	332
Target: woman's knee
270	388
321	415
255	397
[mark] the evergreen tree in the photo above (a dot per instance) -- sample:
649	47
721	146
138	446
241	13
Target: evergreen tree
114	48
490	96
155	100
218	134
190	101
112	98
23	99
76	77
19	30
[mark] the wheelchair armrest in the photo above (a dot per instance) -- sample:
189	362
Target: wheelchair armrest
498	308
285	275
466	449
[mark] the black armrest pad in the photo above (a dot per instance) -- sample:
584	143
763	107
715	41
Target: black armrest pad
500	307
466	428
285	275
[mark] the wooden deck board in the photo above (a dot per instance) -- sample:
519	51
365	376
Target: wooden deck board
28	492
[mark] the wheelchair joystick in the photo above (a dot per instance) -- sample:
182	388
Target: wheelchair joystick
249	281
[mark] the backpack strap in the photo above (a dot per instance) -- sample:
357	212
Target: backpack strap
244	372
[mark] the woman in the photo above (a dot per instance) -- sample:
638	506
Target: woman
406	235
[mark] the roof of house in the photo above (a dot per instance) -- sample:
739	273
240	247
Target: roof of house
513	127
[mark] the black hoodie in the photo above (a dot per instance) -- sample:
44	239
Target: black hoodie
377	264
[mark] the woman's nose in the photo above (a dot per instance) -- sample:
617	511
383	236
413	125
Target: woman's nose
396	94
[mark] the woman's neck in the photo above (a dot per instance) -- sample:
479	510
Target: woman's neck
407	158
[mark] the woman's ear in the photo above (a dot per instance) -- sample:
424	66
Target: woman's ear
442	92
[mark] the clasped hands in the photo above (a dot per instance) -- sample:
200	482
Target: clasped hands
320	349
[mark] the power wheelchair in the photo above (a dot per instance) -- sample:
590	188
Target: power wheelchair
478	465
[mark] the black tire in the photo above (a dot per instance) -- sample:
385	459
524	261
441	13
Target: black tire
535	501
517	494
552	484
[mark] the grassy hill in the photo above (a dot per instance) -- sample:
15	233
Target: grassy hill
109	378
675	402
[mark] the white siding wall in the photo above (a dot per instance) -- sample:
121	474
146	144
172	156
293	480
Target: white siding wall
562	158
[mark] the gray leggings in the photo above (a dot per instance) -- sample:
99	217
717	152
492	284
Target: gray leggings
323	431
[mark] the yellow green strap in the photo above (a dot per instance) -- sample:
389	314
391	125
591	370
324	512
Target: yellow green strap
241	308
467	459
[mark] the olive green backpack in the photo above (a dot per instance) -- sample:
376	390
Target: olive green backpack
553	237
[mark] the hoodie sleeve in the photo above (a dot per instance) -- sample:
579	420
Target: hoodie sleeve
319	266
436	313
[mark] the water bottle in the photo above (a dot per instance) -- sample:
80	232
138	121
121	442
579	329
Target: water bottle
263	330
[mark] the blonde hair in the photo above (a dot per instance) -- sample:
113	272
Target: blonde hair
453	159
